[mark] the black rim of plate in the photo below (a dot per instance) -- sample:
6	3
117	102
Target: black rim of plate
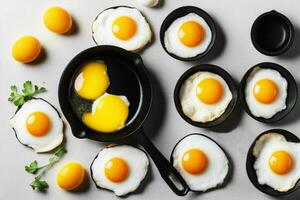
180	12
292	93
251	159
213	69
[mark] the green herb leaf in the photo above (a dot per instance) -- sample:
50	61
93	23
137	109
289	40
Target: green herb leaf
32	168
39	184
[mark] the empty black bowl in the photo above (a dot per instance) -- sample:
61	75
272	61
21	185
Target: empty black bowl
213	69
292	92
251	159
180	12
272	33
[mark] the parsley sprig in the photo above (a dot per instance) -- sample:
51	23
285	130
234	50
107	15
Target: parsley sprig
34	168
27	92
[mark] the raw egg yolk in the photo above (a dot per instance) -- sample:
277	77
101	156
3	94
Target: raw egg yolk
194	161
70	176
57	20
209	91
92	81
38	124
116	170
281	162
265	91
109	114
26	49
191	33
124	28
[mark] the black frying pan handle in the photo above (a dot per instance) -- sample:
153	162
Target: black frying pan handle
167	171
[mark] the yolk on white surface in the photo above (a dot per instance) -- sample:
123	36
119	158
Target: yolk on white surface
26	49
57	20
281	162
124	28
265	91
210	91
38	124
194	161
191	33
116	170
70	176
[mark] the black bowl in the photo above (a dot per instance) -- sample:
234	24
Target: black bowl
251	159
214	69
272	33
292	92
180	12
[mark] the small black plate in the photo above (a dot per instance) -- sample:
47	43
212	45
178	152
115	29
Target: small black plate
180	12
272	33
213	69
251	159
292	93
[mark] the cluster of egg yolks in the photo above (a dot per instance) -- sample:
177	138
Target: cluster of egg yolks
124	27
116	170
38	124
191	33
110	114
281	162
70	176
57	20
265	91
26	49
194	161
92	81
209	91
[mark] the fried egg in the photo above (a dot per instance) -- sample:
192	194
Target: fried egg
120	169
92	81
277	162
204	96
188	36
37	124
109	113
123	27
201	162
265	92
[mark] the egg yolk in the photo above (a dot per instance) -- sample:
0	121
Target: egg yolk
281	162
209	91
38	124
92	81
26	49
265	91
57	20
70	176
124	28
116	170
109	114
194	161
191	33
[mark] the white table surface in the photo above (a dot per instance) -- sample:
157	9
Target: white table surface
164	126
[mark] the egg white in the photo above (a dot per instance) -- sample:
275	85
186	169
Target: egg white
44	143
218	164
265	110
175	46
263	149
138	167
195	109
102	29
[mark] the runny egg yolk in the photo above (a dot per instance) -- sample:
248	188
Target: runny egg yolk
57	20
92	81
281	162
191	33
265	91
194	161
38	124
116	170
70	176
209	91
26	49
109	114
124	28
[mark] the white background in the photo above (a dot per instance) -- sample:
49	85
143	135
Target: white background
164	126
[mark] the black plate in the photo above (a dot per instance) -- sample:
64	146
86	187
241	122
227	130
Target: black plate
251	159
214	69
272	33
292	92
180	12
